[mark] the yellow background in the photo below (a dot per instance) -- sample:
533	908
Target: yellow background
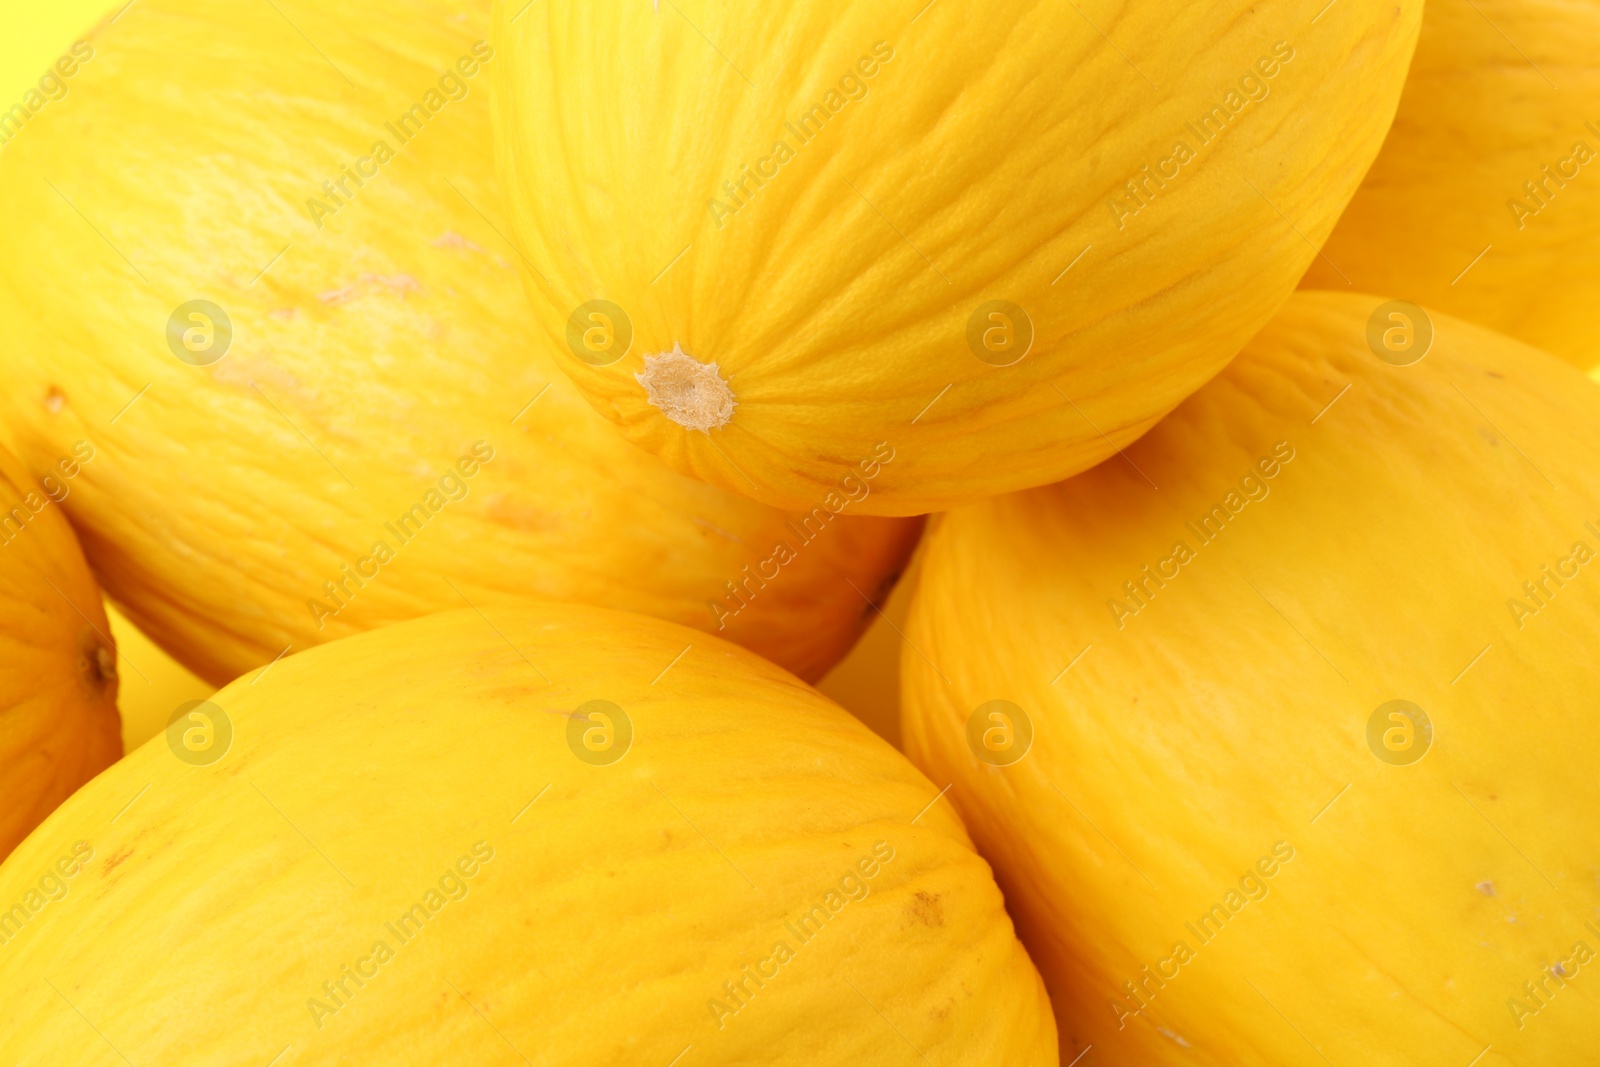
33	36
150	683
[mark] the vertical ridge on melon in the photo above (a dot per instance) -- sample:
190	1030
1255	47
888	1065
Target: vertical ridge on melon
1005	245
272	285
423	845
1485	201
58	663
1312	723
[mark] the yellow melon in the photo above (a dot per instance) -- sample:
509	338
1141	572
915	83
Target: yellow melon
271	285
528	836
1005	245
1485	201
58	663
1280	730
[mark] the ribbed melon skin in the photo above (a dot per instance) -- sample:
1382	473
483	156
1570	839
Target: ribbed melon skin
618	900
948	162
380	340
1182	737
1502	95
58	662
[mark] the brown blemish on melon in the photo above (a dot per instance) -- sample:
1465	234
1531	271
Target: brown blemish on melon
926	908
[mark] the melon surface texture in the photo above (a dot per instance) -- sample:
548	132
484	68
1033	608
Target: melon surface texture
1485	201
1296	736
517	839
58	663
271	285
768	236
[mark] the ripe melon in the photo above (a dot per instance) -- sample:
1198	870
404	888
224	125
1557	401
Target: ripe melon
535	835
1310	679
1006	245
58	663
1485	201
320	402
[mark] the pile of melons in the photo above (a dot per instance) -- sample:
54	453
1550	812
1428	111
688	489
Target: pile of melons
517	407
